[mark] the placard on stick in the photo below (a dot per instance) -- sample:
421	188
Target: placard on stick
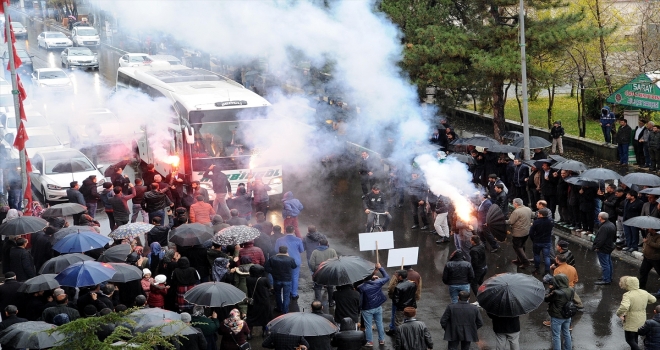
402	256
368	240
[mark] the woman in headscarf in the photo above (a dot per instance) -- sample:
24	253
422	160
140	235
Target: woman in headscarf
37	209
234	331
240	279
221	270
157	254
184	278
166	267
12	214
259	312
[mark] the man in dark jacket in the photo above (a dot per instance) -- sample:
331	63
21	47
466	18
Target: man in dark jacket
651	257
549	179
478	262
372	299
20	261
461	321
607	123
604	245
281	267
281	341
195	341
235	220
654	148
562	249
317	309
159	233
259	191
90	194
376	202
119	204
623	137
560	294
42	242
403	295
417	191
74	196
155	202
221	187
518	184
139	189
610	201
562	197
348	337
458	275
482	230
367	171
322	253
347	303
9	318
501	199
412	334
9	294
651	330
61	307
507	330
632	207
557	133
541	235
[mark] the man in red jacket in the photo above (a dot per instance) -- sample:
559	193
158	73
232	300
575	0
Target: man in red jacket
201	212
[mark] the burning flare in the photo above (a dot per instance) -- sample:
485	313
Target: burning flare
172	160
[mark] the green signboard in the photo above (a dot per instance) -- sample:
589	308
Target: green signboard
641	92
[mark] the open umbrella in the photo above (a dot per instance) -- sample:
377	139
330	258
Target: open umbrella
188	235
234	235
496	222
512	135
651	190
462	157
303	324
85	273
643	222
557	158
167	327
129	231
116	254
641	179
22	226
342	271
572	165
39	283
31	334
145	316
459	142
534	142
481	141
69	230
504	149
59	263
511	294
80	242
539	163
581	181
601	174
214	294
125	273
64	209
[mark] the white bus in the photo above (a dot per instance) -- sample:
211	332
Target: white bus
211	117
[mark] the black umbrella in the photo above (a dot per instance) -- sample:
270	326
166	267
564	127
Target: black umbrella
512	135
31	334
462	157
572	165
481	141
146	316
214	294
534	142
641	179
504	149
511	294
115	254
557	158
342	271
125	273
188	235
167	327
582	181
59	263
69	230
644	222
64	209
601	174
459	142
539	163
651	190
496	222
302	324
39	283
22	226
234	235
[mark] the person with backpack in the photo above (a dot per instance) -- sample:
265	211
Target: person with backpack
561	309
632	310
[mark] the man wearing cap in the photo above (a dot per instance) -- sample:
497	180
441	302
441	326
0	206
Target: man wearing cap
61	299
541	235
9	294
562	249
461	322
412	334
375	202
21	262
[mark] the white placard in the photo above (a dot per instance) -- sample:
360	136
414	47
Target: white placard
368	240
409	256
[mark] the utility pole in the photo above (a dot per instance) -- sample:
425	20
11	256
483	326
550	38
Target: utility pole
523	64
14	91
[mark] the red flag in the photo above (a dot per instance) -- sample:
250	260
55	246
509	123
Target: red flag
17	61
21	93
22	110
2	7
21	138
11	32
28	187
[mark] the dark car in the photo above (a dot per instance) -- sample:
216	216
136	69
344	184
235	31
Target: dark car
26	67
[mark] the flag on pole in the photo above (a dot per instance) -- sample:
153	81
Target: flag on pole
21	137
2	6
22	110
11	32
21	93
28	187
17	61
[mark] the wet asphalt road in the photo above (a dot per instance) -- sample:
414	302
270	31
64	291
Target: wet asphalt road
333	204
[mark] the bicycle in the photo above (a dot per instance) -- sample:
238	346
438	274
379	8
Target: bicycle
376	227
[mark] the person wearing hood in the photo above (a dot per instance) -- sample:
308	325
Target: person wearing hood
235	332
259	312
623	137
42	242
291	208
632	310
371	301
220	270
560	294
311	242
184	278
90	194
607	120
157	292
557	133
651	330
458	274
322	253
348	337
155	256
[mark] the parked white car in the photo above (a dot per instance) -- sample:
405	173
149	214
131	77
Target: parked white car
85	36
54	170
53	79
19	30
53	40
134	60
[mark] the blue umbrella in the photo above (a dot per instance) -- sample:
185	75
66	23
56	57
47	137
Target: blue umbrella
85	273
81	242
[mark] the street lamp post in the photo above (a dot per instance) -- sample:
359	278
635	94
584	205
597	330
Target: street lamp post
523	64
